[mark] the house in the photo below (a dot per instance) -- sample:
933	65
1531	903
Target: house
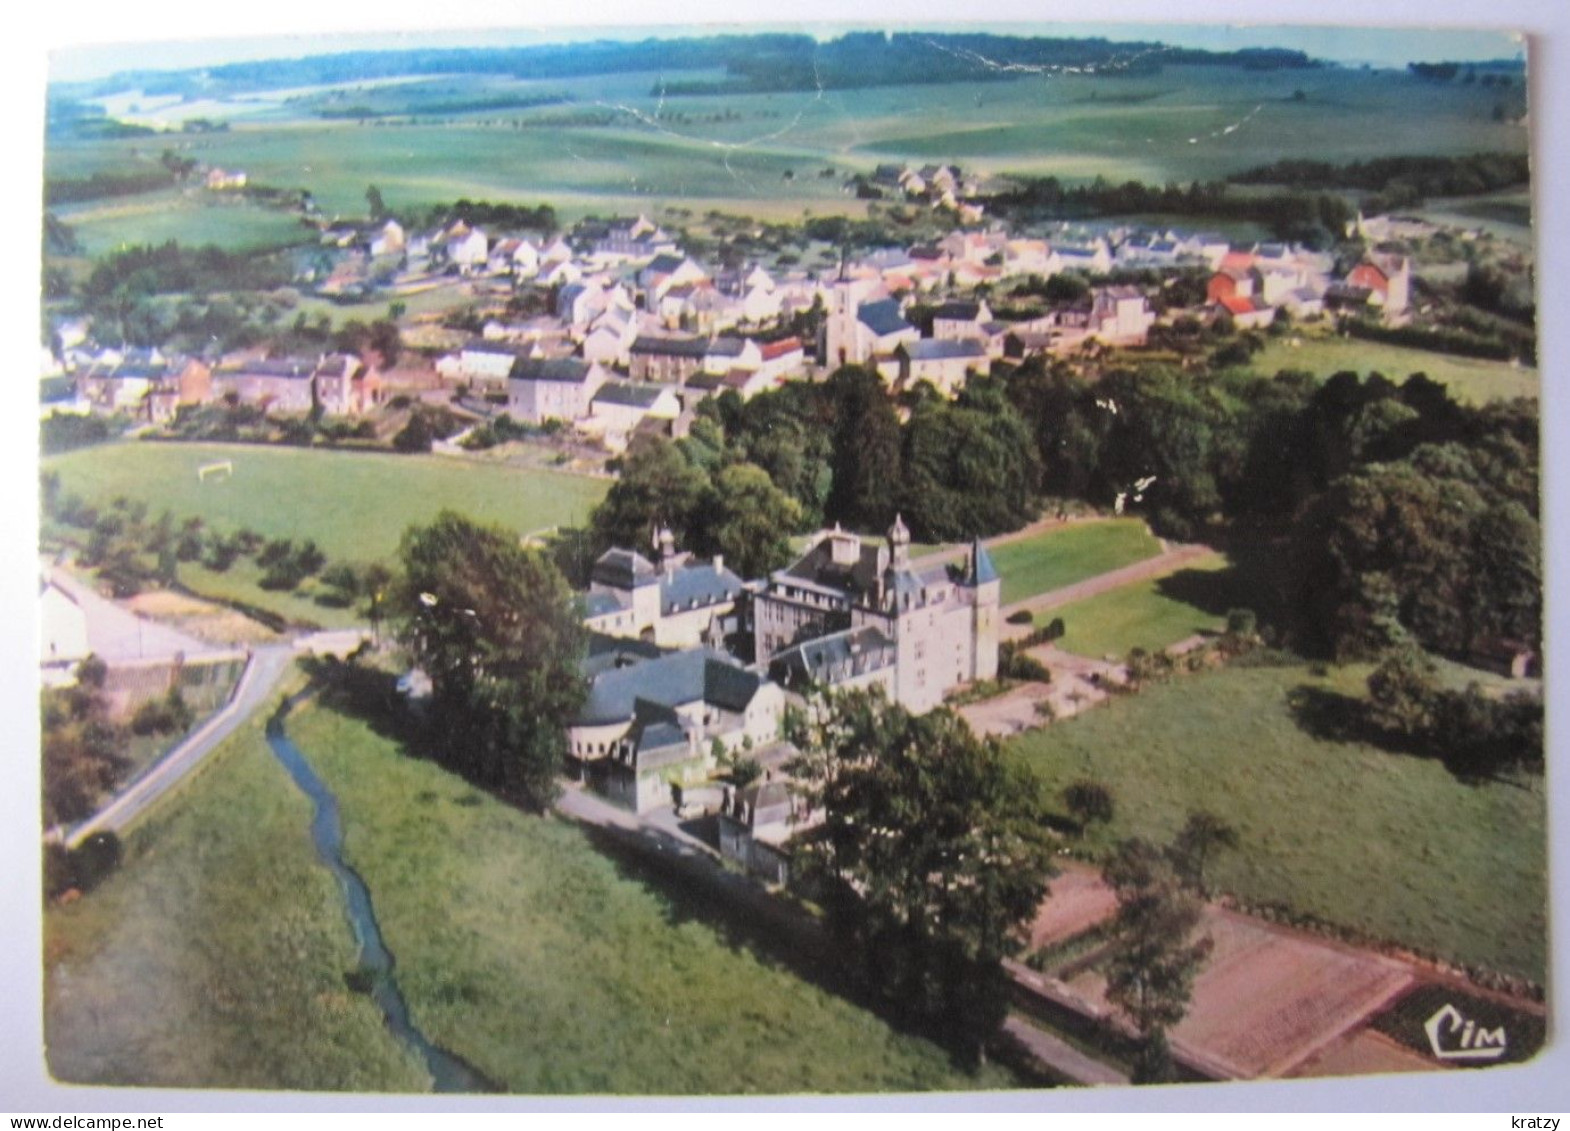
490	363
1092	258
942	620
956	321
467	249
390	239
578	303
757	822
1245	312
780	359
285	384
610	339
1511	658
561	388
668	360
619	407
346	386
681	603
856	330
63	638
653	719
725	354
224	180
666	271
1120	315
1231	282
945	363
1388	278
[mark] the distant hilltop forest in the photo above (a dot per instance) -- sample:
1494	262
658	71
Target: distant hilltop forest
767	62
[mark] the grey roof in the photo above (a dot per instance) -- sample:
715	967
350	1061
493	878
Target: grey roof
727	347
670	680
637	396
598	604
694	586
557	370
664	264
984	571
835	658
882	317
939	349
671	347
607	653
958	312
293	367
624	569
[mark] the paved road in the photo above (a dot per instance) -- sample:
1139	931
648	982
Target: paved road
117	635
1101	583
1061	1057
267	665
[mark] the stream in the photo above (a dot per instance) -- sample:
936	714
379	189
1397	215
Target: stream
374	971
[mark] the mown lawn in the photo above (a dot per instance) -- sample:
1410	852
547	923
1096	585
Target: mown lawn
1389	844
1471	380
1071	553
554	968
216	955
1148	614
356	505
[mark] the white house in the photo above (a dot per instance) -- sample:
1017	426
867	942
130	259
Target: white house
558	388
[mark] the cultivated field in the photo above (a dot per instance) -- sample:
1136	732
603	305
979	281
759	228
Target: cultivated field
553	968
356	505
619	141
1471	380
1389	844
1071	553
192	217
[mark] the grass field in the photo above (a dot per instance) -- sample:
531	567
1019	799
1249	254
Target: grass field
356	505
216	956
1063	556
1147	614
193	218
1469	379
1388	844
620	142
553	968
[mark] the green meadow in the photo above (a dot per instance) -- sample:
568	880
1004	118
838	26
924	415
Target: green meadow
1388	844
1147	614
356	505
1063	556
1472	380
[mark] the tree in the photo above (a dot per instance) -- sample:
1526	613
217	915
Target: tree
1151	971
1197	841
1087	802
657	487
496	629
376	586
866	460
751	520
932	855
373	200
1401	692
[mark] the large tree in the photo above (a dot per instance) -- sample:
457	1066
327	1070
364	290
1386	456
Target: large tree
932	856
866	460
1155	958
658	486
750	520
495	628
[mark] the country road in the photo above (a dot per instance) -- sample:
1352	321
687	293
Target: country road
261	674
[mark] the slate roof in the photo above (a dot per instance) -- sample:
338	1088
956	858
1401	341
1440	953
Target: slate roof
727	347
624	569
835	658
671	347
984	570
670	680
958	312
599	604
556	370
664	264
939	349
607	653
882	317
635	396
695	586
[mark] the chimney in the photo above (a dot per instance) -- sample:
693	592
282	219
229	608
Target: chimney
719	563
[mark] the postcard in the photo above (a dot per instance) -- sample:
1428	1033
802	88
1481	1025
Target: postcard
774	562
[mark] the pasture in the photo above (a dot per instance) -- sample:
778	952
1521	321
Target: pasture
1470	380
1387	844
356	505
169	974
192	217
555	968
1064	555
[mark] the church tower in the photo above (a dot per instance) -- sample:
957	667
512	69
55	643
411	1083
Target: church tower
986	599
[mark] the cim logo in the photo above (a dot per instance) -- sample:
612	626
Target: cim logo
1453	1037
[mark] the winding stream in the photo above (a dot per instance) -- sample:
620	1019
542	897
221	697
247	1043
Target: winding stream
374	971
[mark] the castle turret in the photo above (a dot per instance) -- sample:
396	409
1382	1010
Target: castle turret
982	579
899	544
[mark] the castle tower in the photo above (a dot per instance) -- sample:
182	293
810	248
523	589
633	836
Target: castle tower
899	544
987	593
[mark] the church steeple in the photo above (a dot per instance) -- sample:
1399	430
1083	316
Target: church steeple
899	543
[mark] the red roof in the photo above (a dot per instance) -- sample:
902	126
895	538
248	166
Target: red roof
772	350
1237	260
1239	304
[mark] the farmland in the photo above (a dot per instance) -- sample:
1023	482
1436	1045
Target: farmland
1388	844
1471	380
617	143
355	505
